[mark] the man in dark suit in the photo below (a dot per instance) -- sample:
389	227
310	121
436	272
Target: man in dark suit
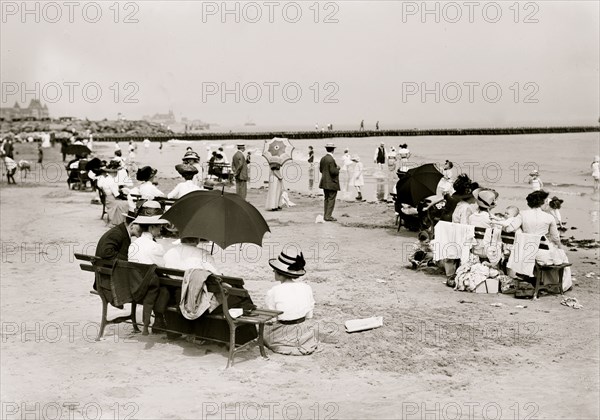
114	244
239	166
330	181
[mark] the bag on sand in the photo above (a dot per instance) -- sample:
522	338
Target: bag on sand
524	289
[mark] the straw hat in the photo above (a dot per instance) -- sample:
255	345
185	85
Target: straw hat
485	198
150	220
534	172
330	146
355	158
191	155
150	208
289	265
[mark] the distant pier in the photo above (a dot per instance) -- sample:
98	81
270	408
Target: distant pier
301	135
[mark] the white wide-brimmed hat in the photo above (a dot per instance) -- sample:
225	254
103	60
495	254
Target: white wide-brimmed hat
485	197
150	220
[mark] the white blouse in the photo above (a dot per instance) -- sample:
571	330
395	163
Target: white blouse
295	299
183	188
184	257
145	250
148	191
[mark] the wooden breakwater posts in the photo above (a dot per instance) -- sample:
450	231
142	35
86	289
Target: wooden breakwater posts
300	135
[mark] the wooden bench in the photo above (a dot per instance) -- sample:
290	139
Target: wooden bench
228	289
162	200
544	275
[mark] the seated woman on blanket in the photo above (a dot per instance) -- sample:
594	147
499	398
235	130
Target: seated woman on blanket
291	334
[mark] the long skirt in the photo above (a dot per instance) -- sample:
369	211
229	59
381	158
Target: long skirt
274	193
295	339
115	209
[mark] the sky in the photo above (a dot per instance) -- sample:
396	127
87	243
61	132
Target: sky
406	64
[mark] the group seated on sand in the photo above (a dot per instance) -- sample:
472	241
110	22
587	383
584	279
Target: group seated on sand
447	237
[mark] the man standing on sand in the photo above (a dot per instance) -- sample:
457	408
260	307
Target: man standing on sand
239	165
330	182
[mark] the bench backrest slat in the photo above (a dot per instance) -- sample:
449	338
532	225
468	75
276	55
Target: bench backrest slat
508	237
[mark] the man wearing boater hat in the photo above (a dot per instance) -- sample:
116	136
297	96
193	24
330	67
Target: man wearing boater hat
239	166
330	181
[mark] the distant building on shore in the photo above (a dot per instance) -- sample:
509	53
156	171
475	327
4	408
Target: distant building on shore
35	111
161	118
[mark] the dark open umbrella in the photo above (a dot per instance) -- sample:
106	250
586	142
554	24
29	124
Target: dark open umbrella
418	184
217	216
77	149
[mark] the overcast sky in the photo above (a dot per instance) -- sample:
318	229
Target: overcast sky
538	61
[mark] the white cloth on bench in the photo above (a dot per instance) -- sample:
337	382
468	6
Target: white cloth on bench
452	241
522	257
195	297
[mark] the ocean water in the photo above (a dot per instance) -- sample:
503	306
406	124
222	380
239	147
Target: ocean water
499	162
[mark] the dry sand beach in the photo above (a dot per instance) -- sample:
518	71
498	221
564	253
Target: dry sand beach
440	353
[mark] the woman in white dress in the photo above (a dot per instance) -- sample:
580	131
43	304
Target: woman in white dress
538	222
187	172
403	155
596	171
116	205
147	189
293	332
273	202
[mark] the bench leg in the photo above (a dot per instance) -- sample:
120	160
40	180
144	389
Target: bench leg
133	317
232	329
104	321
261	340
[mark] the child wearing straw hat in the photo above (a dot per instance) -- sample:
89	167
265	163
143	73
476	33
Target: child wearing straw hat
357	177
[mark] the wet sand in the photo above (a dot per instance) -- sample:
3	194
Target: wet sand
440	351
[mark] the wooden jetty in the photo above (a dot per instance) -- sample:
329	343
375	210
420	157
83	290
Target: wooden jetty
301	135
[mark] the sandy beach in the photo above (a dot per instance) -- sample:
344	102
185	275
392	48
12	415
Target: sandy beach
440	353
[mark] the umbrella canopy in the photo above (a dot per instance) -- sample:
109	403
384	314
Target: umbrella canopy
77	149
217	216
418	184
278	150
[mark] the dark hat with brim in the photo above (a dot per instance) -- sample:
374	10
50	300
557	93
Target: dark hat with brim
185	169
146	173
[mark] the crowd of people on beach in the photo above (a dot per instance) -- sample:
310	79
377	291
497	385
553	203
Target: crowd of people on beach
134	210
